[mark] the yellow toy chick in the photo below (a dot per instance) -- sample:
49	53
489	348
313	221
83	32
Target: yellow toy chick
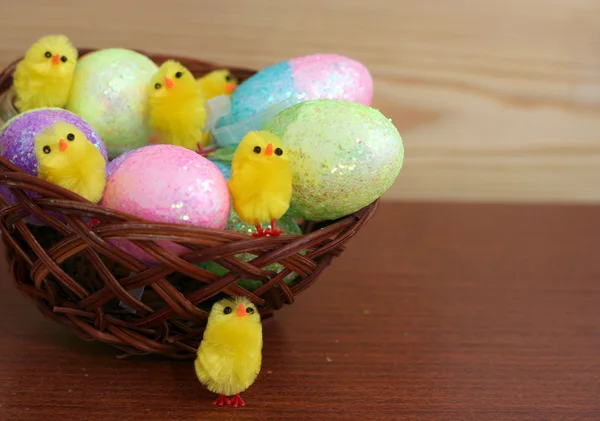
261	181
66	157
176	107
44	76
230	354
217	82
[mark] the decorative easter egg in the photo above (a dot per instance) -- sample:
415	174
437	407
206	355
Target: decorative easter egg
300	79
109	91
166	183
17	137
343	156
286	223
224	167
116	163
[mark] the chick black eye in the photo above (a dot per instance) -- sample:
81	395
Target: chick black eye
71	137
228	78
157	86
257	149
227	310
250	310
47	149
278	152
63	59
48	54
178	75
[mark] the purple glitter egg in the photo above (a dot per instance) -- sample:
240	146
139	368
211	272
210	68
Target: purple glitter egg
166	183
17	137
19	133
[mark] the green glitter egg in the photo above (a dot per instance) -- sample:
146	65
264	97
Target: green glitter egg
343	156
109	91
286	223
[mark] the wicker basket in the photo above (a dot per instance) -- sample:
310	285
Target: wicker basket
79	279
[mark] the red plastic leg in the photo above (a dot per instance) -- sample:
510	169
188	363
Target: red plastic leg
221	400
274	232
259	232
236	400
92	223
204	151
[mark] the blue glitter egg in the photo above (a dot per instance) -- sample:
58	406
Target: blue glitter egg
271	85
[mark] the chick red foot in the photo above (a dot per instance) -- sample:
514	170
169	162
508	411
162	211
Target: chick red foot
236	400
259	232
204	151
274	231
92	222
221	400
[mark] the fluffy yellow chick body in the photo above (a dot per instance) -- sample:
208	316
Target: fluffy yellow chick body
217	82
44	76
176	107
261	181
229	357
67	158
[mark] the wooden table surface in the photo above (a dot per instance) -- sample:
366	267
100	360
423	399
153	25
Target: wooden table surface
435	312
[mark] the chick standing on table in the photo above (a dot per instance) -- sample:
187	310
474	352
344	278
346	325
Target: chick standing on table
261	181
176	107
44	76
67	158
230	354
217	82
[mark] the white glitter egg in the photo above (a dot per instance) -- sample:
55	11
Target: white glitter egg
109	91
343	156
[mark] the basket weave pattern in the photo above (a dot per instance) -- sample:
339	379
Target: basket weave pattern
78	278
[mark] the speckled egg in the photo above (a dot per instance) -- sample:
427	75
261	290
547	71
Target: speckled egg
343	156
286	223
17	137
166	183
109	91
301	78
224	167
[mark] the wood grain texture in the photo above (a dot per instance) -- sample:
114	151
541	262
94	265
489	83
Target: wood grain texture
435	312
494	100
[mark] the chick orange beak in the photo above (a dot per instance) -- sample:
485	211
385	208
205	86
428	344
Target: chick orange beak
55	59
241	311
230	87
168	82
269	150
62	145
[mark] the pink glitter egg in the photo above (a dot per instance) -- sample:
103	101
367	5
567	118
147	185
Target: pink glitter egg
316	76
349	79
166	183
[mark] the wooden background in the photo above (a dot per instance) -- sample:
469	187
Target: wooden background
495	100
